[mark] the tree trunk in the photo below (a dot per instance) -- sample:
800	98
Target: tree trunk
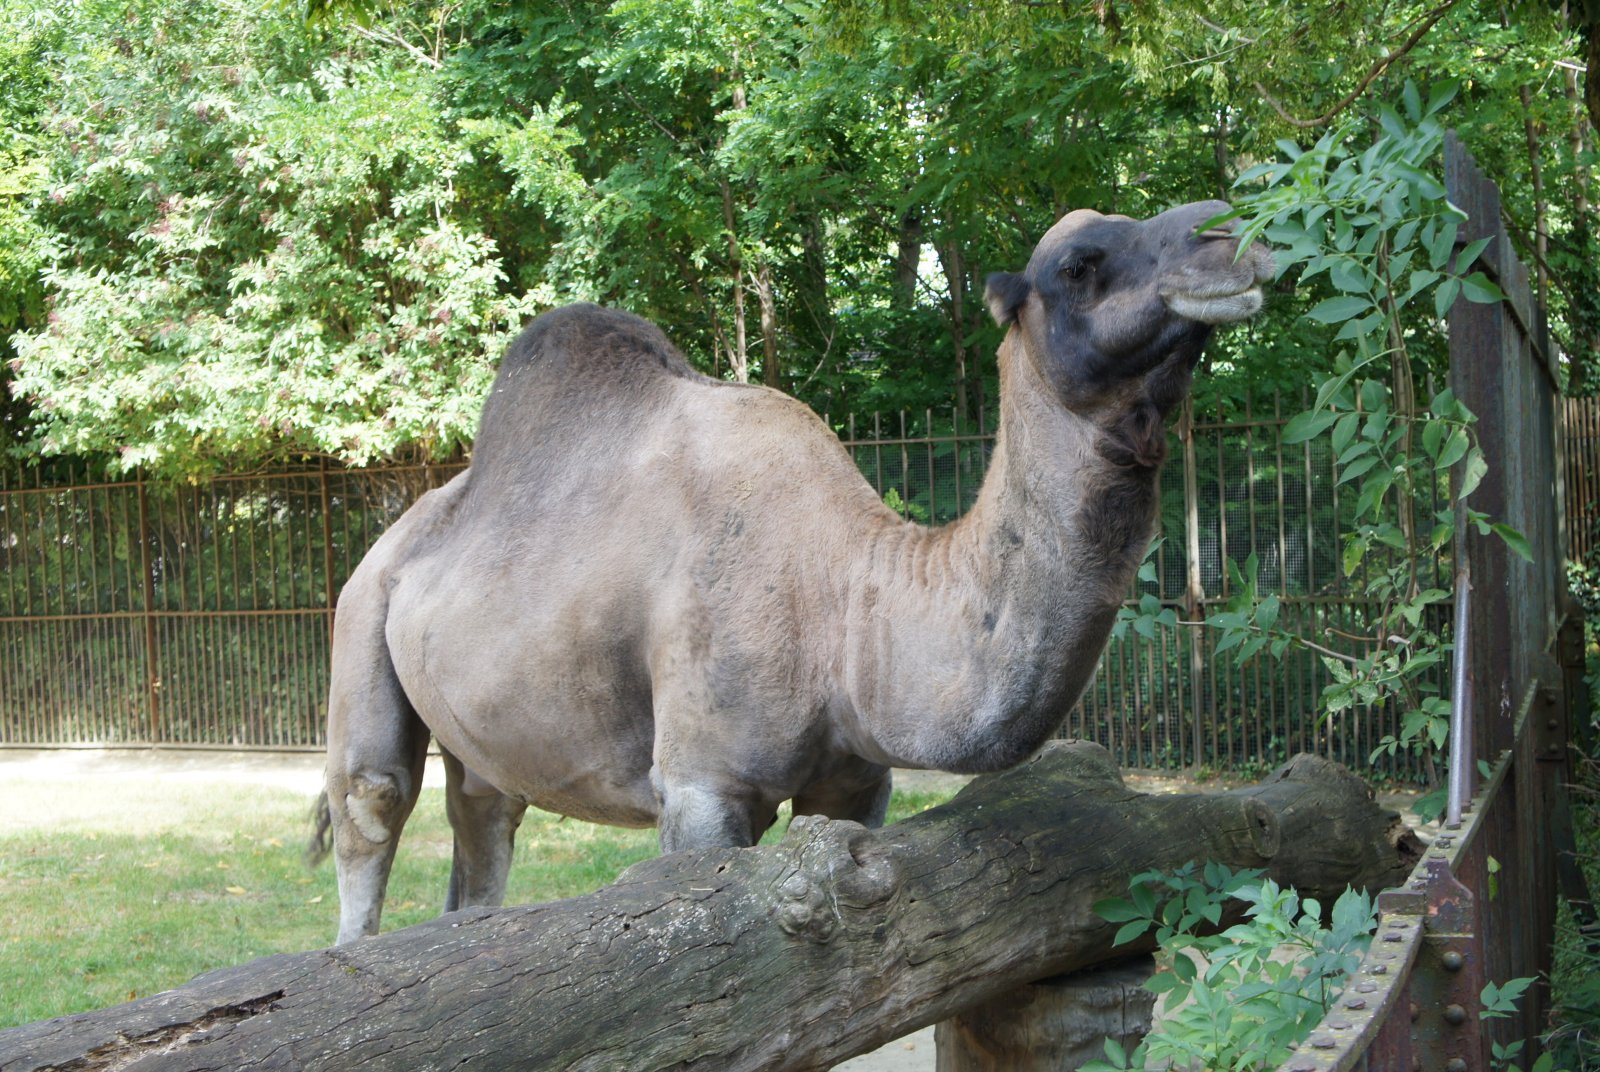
771	372
908	257
738	355
792	956
1054	1025
956	277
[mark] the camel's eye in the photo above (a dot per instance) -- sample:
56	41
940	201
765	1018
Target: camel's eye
1078	265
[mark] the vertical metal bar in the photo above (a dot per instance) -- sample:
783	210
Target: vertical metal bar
959	455
905	465
1194	592
152	669
1223	553
1258	699
1461	743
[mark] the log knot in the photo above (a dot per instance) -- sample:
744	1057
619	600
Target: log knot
837	865
803	910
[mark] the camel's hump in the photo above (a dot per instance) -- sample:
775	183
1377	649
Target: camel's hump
580	365
586	340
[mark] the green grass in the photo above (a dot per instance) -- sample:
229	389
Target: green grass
103	905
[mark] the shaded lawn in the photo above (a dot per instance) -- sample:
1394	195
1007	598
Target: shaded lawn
106	905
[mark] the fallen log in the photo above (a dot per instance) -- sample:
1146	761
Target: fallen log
792	956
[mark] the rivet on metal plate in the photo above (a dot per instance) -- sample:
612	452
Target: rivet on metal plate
1322	1042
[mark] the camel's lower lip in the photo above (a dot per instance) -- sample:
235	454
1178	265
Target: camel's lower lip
1217	308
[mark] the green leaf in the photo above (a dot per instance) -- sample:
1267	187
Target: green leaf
1308	425
1343	431
1472	473
1356	450
1115	909
1412	99
1358	468
1445	297
1469	253
1441	94
1373	395
1340	309
1454	449
1514	540
1479	288
1267	612
1129	931
1432	435
1444	241
1354	551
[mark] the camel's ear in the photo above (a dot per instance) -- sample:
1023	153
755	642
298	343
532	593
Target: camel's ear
1004	293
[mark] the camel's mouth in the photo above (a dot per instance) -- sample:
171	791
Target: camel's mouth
1217	308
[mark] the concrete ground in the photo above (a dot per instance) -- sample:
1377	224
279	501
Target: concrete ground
105	776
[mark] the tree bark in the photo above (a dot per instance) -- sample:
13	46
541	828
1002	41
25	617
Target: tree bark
908	258
792	956
771	372
738	356
956	278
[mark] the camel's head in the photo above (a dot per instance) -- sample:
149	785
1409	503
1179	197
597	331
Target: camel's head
1114	312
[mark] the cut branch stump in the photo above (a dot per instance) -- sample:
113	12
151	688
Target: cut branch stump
1054	1025
792	956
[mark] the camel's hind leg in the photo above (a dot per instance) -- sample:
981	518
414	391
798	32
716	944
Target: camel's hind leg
485	823
376	750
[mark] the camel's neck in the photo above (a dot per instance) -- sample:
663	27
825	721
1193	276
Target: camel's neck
972	641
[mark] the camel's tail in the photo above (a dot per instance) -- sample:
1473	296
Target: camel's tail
321	831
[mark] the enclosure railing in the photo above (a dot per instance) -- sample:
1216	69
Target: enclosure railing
142	612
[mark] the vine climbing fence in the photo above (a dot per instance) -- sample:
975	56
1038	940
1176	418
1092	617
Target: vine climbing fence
141	612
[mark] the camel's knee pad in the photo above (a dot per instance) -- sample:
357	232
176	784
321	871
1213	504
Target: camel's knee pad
373	803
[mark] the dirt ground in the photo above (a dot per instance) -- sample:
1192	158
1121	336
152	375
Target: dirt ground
102	779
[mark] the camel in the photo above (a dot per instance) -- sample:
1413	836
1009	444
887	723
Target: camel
657	598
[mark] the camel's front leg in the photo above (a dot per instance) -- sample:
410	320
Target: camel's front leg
697	816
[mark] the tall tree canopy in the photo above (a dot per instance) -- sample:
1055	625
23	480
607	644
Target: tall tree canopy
230	233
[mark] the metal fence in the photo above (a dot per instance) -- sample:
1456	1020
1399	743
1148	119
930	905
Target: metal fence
139	612
1582	423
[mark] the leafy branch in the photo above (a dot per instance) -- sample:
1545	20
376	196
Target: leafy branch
1364	220
1236	999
